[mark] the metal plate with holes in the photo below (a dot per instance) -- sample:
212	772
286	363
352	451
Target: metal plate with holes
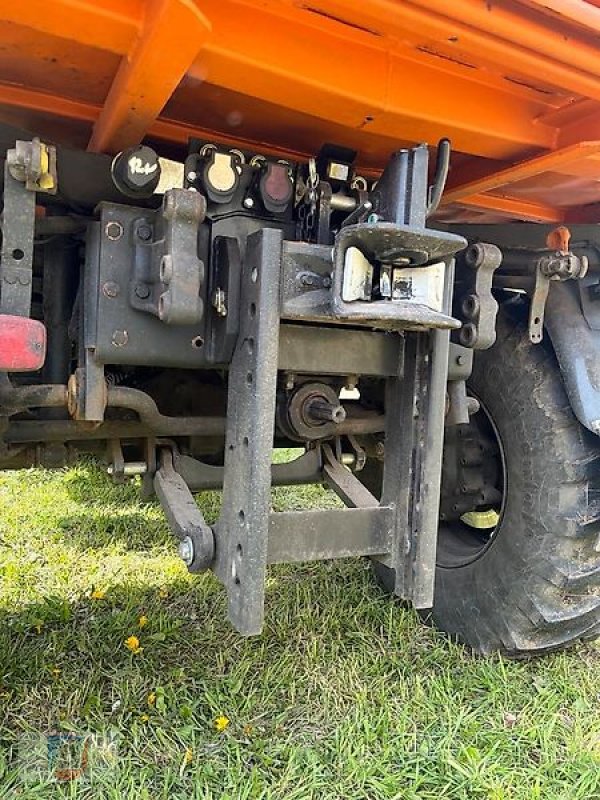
242	529
17	247
119	333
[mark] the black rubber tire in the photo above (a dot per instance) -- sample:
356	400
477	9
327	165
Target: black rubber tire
536	587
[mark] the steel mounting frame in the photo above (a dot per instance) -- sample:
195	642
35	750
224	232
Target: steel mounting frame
400	530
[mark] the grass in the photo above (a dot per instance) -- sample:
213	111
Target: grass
345	695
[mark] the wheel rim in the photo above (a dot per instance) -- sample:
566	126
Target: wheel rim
459	542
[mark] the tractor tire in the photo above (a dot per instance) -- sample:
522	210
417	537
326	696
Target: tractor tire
532	584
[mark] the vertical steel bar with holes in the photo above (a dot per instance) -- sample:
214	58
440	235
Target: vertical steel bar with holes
415	408
18	220
242	529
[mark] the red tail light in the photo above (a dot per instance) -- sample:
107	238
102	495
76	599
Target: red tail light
22	344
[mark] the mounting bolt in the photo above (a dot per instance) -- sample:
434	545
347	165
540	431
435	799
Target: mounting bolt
111	289
142	291
380	449
248	202
186	550
113	231
191	176
144	232
120	338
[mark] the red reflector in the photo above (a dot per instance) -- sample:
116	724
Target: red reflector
22	344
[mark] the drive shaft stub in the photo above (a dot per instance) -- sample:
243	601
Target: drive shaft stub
313	411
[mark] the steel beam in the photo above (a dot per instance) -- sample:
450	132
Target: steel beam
512	207
330	86
548	162
466	36
172	34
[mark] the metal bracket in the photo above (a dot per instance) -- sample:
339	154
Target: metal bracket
167	274
185	518
34	164
474	303
18	221
555	266
393	245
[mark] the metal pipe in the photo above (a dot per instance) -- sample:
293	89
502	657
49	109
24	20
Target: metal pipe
147	410
21	398
342	202
19	432
152	422
60	270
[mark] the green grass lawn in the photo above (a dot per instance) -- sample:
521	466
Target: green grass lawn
345	695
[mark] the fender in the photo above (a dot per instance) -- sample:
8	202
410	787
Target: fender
577	348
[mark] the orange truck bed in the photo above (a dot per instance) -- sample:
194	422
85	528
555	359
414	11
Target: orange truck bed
515	84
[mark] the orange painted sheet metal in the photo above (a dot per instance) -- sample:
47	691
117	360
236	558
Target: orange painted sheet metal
515	84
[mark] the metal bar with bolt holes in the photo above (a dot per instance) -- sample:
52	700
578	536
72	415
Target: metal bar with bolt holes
17	247
242	529
413	454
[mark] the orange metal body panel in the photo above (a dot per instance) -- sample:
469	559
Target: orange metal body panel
515	84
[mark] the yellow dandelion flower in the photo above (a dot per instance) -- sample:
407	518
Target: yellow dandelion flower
144	718
133	643
163	593
221	722
151	698
189	755
98	594
142	621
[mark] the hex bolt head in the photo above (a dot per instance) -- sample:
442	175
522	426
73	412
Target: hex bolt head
120	338
186	550
111	289
142	291
248	202
144	233
113	230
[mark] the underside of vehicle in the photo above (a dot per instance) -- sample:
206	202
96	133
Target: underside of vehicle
223	233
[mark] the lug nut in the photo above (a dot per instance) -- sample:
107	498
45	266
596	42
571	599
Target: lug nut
186	551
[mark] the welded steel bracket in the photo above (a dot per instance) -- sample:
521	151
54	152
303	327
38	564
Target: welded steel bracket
167	274
415	406
400	530
474	302
554	266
